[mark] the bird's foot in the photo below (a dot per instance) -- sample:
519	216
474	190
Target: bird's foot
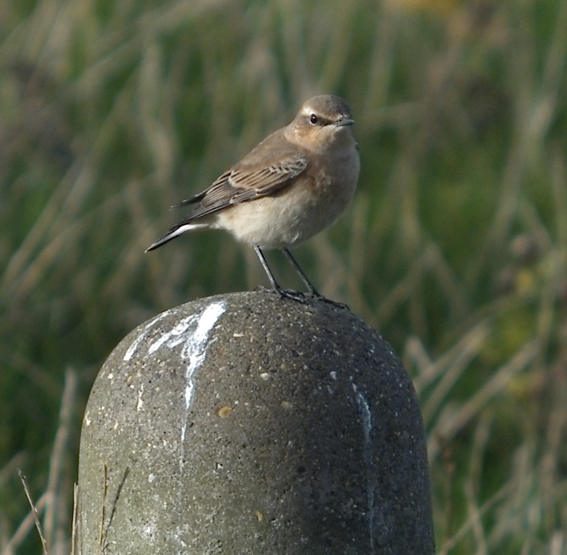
318	297
297	296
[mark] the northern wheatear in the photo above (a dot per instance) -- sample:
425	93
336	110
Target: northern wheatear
294	184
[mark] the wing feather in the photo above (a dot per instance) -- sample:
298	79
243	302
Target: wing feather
242	184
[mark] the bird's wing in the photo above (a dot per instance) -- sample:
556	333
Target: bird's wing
246	182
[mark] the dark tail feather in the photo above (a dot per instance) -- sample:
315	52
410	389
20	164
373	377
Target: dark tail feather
171	234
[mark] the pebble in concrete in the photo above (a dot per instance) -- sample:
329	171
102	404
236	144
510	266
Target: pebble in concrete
249	424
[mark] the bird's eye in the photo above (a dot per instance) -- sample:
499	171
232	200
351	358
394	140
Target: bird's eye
313	119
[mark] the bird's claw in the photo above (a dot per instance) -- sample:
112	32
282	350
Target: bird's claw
304	298
297	296
319	297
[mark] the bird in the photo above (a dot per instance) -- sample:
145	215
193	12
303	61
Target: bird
292	185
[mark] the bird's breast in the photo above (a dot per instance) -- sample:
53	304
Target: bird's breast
309	204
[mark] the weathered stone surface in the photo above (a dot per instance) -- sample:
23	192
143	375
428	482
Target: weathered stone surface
247	424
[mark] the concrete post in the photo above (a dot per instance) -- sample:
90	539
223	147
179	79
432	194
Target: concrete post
248	424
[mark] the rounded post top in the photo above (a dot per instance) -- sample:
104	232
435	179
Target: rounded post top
246	423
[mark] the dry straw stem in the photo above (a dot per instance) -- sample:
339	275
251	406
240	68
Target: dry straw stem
57	505
25	526
34	512
452	419
53	503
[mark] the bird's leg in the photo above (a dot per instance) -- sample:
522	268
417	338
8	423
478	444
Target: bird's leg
301	273
296	296
312	289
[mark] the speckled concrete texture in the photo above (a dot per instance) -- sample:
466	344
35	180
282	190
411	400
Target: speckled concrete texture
249	424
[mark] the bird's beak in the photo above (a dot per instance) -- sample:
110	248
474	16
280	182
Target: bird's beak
344	121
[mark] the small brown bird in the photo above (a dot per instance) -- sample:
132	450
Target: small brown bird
294	184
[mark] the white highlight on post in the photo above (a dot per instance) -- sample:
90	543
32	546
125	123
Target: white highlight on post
366	417
132	349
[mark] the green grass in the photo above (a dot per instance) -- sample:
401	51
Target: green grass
455	247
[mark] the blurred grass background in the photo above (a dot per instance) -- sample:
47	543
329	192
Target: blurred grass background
455	247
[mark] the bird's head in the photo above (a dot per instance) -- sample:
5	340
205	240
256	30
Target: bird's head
322	123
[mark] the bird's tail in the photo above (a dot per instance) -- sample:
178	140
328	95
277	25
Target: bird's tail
173	233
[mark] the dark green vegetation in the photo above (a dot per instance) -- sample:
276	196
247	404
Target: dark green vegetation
455	247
